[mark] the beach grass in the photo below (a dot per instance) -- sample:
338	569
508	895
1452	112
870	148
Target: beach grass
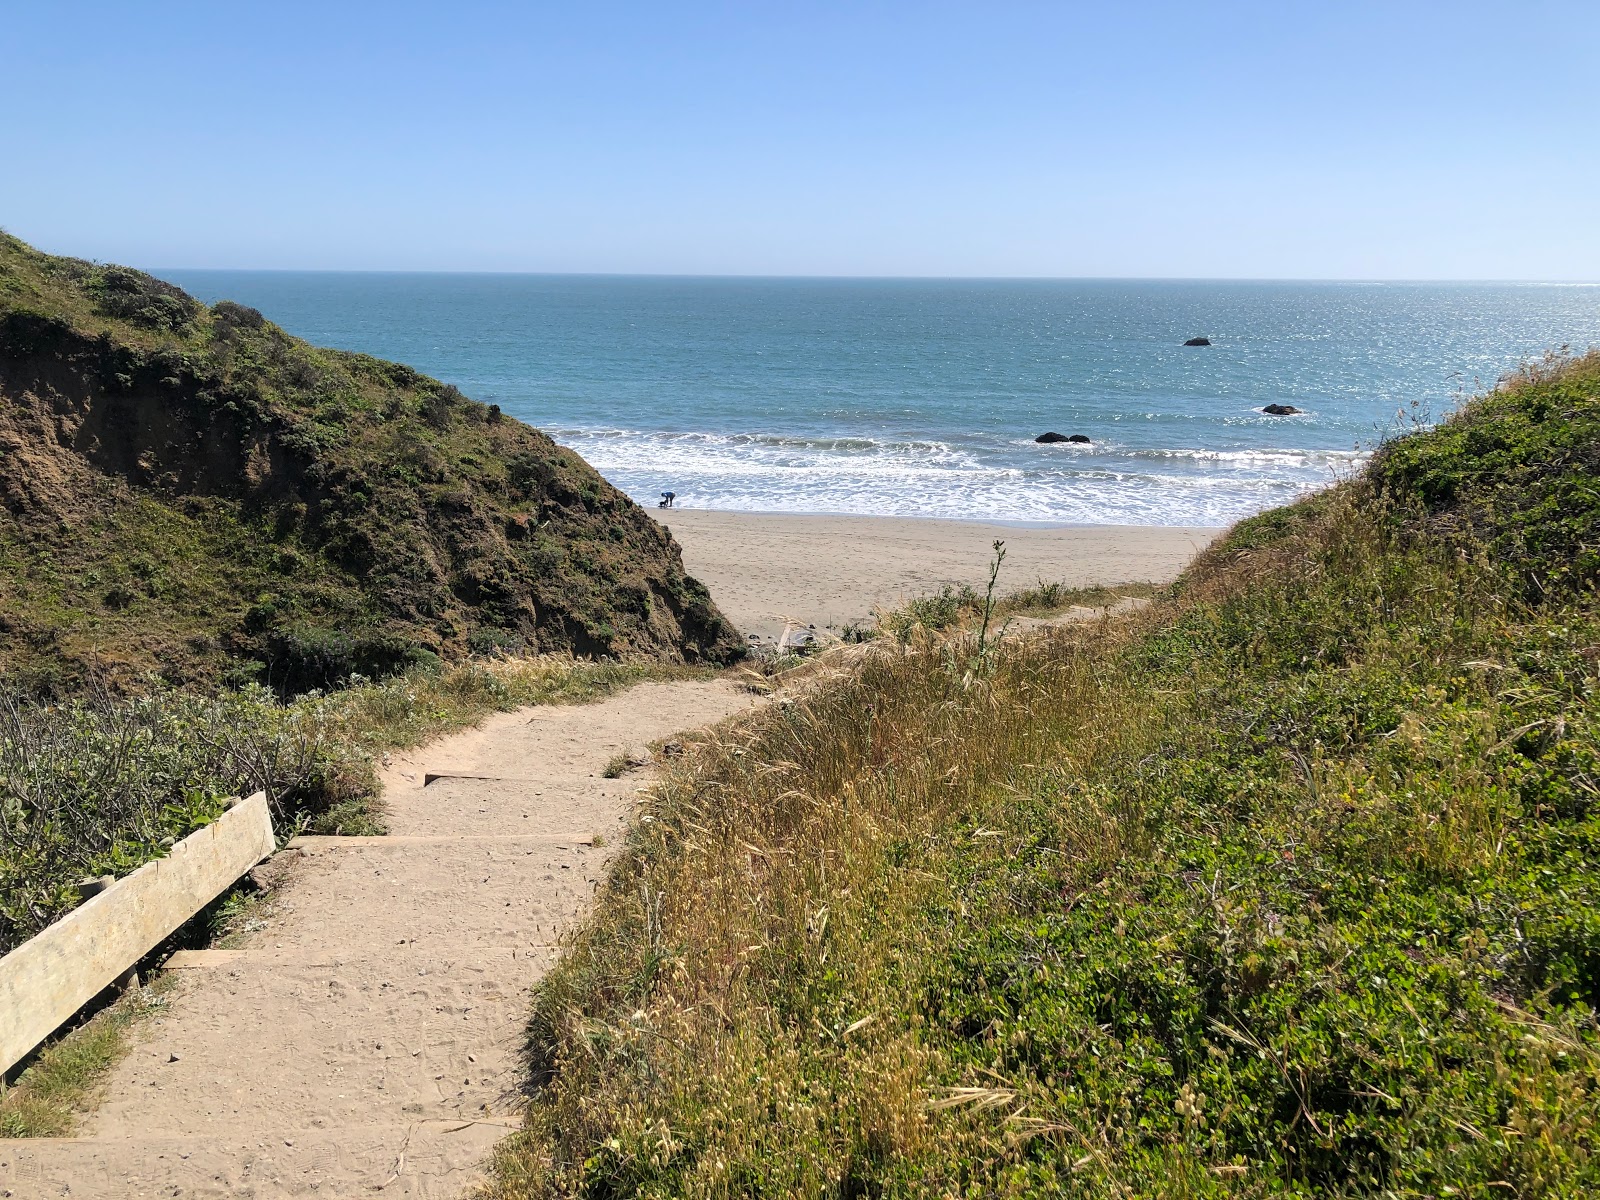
954	607
1285	884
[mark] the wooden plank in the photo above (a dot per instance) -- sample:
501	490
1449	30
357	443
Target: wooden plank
308	956
48	978
185	960
310	842
429	778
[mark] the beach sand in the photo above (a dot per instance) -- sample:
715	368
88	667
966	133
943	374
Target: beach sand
765	569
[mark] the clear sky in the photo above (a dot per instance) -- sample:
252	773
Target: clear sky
1290	139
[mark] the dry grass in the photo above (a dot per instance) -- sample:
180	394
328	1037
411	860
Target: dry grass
61	1082
1284	885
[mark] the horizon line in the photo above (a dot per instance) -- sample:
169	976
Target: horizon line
753	275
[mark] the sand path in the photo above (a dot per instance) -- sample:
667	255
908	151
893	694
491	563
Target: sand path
363	1041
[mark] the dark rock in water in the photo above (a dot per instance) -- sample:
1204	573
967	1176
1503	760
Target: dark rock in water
1079	438
1047	438
1280	410
1198	342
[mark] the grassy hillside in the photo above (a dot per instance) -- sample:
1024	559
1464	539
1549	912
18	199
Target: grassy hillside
1286	885
191	489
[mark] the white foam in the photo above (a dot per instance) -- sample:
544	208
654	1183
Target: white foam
987	478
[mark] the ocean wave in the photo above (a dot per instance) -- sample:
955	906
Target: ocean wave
826	442
1110	501
623	447
1263	458
981	477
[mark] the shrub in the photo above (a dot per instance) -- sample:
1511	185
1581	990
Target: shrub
142	299
1286	885
236	316
101	785
306	658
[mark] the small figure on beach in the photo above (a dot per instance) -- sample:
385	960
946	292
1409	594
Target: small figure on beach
666	499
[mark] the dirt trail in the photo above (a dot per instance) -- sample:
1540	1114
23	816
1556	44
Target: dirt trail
364	1039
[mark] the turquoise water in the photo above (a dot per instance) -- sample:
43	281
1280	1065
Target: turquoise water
922	398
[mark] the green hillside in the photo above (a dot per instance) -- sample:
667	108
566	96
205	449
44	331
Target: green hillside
192	490
1287	885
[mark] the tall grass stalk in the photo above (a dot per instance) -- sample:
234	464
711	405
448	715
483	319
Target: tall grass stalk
1285	885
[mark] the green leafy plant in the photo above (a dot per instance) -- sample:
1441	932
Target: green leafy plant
1284	885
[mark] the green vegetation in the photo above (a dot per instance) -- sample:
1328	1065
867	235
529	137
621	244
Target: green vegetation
101	785
62	1079
192	491
1285	885
953	607
1052	599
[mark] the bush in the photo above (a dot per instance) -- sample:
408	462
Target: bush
942	610
304	658
102	785
236	316
142	299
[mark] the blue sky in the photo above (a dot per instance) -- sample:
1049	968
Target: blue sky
1291	139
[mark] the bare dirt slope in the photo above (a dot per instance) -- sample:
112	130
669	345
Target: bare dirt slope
364	1039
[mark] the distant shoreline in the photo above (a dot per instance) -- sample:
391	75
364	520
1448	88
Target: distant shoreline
1001	523
829	571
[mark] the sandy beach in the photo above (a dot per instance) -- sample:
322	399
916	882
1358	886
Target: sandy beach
765	569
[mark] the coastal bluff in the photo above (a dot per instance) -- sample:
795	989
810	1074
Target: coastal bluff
191	490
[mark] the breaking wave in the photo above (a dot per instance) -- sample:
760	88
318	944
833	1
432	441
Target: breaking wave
971	477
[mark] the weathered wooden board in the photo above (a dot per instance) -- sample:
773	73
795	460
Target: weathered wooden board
48	978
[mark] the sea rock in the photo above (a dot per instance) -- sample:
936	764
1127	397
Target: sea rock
1047	438
1080	439
1280	410
1198	342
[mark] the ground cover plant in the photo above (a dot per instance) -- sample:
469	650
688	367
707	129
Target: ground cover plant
1285	885
100	785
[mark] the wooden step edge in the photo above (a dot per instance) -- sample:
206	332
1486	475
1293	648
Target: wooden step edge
444	1124
429	778
320	841
190	960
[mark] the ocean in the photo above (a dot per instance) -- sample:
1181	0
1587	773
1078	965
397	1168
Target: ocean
923	397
